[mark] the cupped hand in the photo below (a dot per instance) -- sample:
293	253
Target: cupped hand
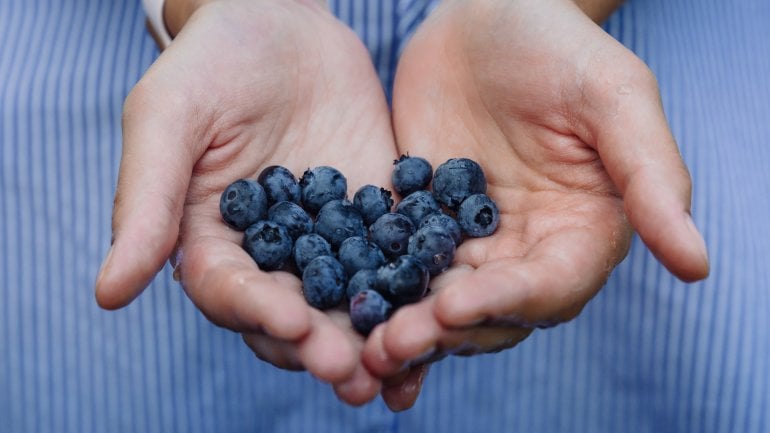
569	128
246	85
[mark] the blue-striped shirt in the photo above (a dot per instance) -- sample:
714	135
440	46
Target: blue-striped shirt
648	354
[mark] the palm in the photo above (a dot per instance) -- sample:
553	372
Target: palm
512	105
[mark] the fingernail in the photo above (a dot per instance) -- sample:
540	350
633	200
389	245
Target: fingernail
177	263
105	264
701	243
410	388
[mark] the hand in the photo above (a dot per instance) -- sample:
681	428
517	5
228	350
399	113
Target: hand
246	85
569	128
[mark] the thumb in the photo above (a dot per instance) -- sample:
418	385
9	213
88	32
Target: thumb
155	171
643	160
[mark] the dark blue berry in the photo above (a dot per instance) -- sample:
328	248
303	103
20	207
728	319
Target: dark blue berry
279	184
373	202
321	185
268	243
367	310
356	253
243	203
418	205
411	174
307	247
291	216
457	179
404	280
434	247
339	220
391	233
478	216
446	222
365	279
323	282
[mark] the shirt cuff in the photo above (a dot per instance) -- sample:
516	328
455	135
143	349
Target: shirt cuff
156	23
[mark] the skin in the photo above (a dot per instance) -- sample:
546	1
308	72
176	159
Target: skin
303	94
569	127
562	118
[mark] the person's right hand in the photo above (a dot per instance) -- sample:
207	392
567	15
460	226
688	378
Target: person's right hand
245	85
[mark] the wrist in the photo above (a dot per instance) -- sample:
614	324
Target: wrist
177	12
598	10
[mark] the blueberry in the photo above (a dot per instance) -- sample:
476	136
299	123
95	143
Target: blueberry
338	220
323	282
356	253
243	203
434	247
404	280
373	202
365	279
279	184
291	216
478	216
321	185
418	205
411	174
268	243
367	310
446	222
307	247
391	233
457	179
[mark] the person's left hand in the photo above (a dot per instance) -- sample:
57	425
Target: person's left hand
569	128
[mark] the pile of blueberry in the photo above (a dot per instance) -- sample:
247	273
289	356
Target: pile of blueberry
362	251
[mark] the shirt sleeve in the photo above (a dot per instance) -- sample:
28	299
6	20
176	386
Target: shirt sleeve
155	23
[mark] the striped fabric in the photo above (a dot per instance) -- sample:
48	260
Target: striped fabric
649	354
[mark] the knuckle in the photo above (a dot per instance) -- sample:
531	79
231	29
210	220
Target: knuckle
136	101
644	76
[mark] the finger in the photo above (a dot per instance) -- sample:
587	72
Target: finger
412	333
329	352
430	347
159	150
636	146
227	286
360	388
550	284
377	359
476	340
282	354
402	395
326	352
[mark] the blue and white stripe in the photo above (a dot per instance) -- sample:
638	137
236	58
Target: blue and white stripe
384	27
649	354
